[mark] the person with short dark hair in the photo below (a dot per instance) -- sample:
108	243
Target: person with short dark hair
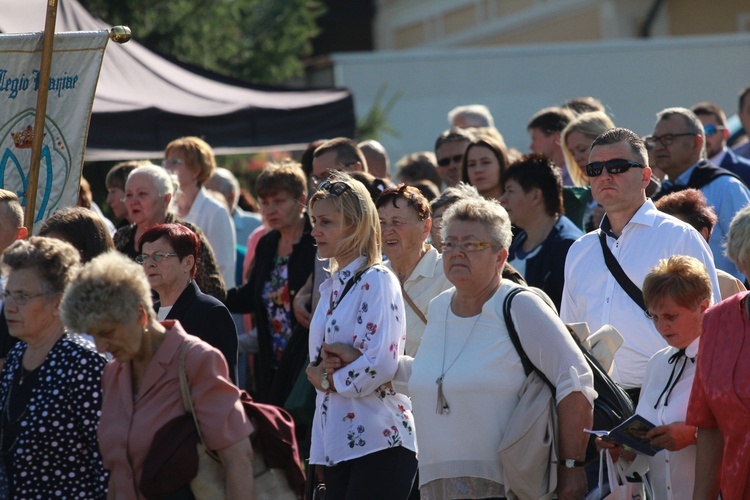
338	154
80	227
581	105
638	236
450	147
545	128
418	166
715	126
533	200
115	184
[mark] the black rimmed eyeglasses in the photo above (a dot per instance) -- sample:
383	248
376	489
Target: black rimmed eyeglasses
336	188
615	166
666	140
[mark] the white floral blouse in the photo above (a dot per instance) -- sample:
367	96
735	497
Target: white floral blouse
365	415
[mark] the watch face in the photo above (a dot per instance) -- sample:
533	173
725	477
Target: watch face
324	382
569	463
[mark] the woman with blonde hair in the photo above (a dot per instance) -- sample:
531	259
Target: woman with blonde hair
363	430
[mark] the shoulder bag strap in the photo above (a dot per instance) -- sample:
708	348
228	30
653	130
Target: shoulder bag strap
528	366
614	267
412	305
187	399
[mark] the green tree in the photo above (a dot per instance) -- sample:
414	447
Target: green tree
261	41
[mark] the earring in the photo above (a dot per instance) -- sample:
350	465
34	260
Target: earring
145	330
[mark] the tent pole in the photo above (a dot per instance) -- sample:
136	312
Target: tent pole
41	113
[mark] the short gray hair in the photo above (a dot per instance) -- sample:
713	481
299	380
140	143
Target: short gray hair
224	181
489	213
738	240
693	123
165	182
107	290
54	261
451	195
478	115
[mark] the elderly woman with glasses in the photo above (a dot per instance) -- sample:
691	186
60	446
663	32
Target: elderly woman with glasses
148	193
363	431
192	160
50	386
465	380
169	255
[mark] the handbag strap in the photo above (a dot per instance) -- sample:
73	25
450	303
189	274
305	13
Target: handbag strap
528	366
412	305
614	267
187	399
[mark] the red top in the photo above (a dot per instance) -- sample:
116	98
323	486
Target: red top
721	390
127	429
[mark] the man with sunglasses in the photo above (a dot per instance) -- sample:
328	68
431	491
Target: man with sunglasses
679	149
715	126
638	236
450	147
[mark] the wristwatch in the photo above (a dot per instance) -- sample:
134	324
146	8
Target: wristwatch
324	382
572	464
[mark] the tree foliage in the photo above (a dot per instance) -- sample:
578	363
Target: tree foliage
261	41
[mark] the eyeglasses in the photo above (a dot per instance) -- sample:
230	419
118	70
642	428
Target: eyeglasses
615	166
666	140
444	162
335	188
20	298
156	257
467	246
172	163
711	130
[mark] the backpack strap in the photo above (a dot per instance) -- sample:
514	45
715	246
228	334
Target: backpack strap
614	267
528	366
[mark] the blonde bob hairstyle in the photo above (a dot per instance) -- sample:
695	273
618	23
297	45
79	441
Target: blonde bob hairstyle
199	157
683	279
591	125
359	215
738	240
109	290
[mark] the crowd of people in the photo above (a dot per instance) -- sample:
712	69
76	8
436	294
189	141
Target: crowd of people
375	306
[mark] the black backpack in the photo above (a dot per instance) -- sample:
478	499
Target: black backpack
612	405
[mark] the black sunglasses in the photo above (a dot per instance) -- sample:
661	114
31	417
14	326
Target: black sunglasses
335	188
615	166
444	162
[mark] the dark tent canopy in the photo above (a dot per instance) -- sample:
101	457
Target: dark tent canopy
143	100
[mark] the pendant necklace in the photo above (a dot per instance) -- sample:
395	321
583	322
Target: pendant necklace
442	404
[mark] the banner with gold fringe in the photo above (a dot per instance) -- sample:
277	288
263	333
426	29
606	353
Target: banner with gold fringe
76	62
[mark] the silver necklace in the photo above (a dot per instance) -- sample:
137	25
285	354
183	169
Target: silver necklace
442	404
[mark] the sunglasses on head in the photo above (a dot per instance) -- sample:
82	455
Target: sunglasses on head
335	188
616	166
444	162
711	130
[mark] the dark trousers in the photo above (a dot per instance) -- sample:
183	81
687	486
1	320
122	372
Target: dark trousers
383	474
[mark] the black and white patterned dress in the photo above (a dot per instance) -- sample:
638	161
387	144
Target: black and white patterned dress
52	451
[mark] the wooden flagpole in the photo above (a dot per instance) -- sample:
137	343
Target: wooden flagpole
41	113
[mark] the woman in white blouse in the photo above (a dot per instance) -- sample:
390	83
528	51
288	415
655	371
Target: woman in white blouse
363	431
465	380
677	292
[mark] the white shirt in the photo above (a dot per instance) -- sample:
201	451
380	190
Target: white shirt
426	282
482	376
213	219
672	473
592	295
364	415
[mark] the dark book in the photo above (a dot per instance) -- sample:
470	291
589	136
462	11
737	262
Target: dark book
631	433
